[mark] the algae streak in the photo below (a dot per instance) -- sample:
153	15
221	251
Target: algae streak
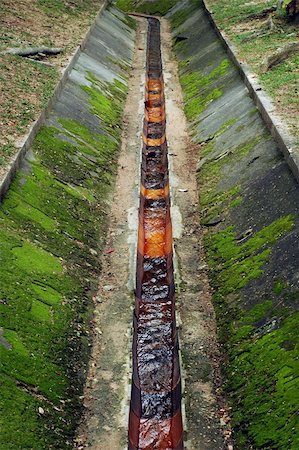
249	209
198	88
53	223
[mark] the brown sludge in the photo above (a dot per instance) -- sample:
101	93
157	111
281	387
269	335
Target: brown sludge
155	421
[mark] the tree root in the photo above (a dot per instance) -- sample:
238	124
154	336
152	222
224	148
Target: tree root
280	55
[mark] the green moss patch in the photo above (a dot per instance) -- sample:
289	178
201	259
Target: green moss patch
263	383
236	264
33	259
213	201
258	333
105	101
53	223
146	7
261	375
180	16
199	90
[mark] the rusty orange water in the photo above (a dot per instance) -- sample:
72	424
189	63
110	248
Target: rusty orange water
155	421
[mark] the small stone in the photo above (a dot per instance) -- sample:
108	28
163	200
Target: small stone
41	410
93	251
108	287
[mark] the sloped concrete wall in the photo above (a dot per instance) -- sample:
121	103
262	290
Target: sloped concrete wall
53	222
249	213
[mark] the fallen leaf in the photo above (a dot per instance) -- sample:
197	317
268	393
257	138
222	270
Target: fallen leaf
109	250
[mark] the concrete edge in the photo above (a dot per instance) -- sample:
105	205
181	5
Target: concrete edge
26	141
284	140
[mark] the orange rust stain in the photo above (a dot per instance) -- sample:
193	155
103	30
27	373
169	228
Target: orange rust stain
155	85
160	434
168	240
155	114
154	238
154	194
154	250
154	92
166	433
154	142
151	98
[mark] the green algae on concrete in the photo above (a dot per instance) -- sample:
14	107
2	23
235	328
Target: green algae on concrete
105	101
180	16
236	264
261	376
264	384
38	334
146	7
216	204
53	221
248	235
210	172
199	90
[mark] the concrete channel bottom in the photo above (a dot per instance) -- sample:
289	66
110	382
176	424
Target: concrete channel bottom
155	419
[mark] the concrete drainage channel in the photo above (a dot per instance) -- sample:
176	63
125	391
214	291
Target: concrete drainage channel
155	408
53	228
65	233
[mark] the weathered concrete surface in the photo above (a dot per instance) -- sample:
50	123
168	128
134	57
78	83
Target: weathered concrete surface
249	210
107	393
53	229
197	325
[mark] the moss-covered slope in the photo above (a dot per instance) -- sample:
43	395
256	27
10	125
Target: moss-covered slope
249	204
53	223
145	6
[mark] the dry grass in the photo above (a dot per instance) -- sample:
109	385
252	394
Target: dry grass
26	85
